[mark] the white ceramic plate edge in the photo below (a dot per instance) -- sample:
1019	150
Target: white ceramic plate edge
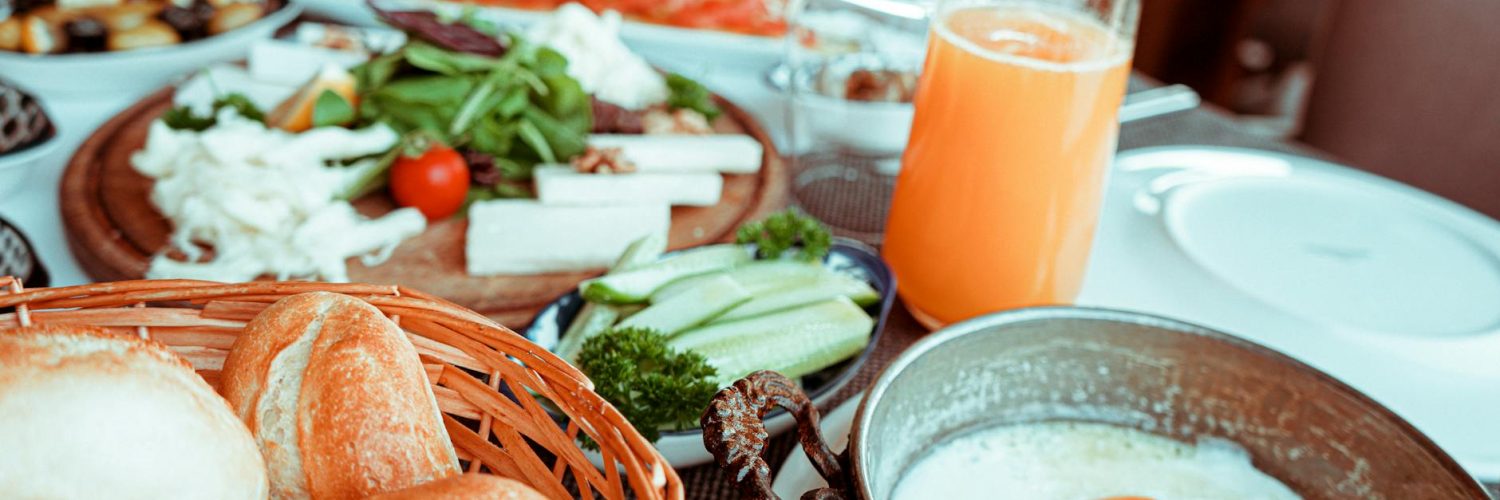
797	475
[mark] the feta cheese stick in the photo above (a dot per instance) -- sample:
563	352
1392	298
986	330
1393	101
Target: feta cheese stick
527	237
731	154
562	185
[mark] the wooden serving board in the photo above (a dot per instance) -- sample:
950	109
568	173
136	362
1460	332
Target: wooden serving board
114	229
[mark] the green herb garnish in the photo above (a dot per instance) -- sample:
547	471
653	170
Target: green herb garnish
183	118
652	385
689	94
787	230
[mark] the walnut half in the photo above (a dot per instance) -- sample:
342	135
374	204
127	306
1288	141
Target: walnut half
602	161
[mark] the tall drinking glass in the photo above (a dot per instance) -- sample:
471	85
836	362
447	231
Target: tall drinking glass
1014	130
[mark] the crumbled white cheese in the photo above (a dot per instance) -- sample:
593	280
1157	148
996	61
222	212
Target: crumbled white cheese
597	58
266	201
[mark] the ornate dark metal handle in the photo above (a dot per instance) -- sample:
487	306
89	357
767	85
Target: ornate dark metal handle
733	430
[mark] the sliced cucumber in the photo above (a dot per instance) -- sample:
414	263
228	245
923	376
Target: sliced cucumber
636	285
832	285
594	319
643	251
795	342
757	277
692	308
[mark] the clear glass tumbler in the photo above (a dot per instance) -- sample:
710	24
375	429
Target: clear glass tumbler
1014	131
850	71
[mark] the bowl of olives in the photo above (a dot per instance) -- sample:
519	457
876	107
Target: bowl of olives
78	48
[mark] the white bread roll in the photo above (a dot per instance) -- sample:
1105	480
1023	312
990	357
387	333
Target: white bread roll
336	399
466	487
89	414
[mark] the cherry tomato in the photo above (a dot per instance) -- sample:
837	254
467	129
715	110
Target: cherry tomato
435	182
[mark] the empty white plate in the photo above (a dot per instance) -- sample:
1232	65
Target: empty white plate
1391	289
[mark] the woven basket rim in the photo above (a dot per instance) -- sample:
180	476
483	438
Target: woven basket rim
199	320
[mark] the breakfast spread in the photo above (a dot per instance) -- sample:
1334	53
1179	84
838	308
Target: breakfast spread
23	123
75	26
549	151
86	413
1072	460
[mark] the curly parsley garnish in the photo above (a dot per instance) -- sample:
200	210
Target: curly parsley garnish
787	230
652	385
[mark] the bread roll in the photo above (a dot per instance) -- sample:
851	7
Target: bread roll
89	414
337	400
234	16
41	37
151	33
10	34
466	487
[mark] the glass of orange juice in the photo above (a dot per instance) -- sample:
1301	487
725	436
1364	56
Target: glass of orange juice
1014	131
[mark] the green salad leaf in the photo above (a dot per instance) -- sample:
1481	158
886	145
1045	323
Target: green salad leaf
784	231
653	386
183	118
688	93
331	109
520	108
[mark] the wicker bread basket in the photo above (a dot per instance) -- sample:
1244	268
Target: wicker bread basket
492	429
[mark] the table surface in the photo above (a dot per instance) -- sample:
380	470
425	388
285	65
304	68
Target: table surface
35	209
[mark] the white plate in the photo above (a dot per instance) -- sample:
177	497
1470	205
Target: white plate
134	72
16	168
797	475
1391	289
651	40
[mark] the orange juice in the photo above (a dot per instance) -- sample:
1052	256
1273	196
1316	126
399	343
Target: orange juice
1001	180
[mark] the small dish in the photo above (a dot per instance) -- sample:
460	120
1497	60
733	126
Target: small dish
135	72
16	166
824	112
685	448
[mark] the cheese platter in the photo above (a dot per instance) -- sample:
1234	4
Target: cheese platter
502	253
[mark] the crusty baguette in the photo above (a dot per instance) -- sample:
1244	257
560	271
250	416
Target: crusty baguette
466	487
89	414
337	400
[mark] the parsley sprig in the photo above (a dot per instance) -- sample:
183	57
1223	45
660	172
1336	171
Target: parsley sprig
784	231
652	385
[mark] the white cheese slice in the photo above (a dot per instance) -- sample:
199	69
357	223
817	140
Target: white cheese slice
527	237
562	185
727	153
292	63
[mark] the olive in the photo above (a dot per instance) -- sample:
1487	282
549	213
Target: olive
27	5
86	34
203	10
184	20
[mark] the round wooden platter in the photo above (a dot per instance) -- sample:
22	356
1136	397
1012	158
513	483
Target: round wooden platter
114	230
